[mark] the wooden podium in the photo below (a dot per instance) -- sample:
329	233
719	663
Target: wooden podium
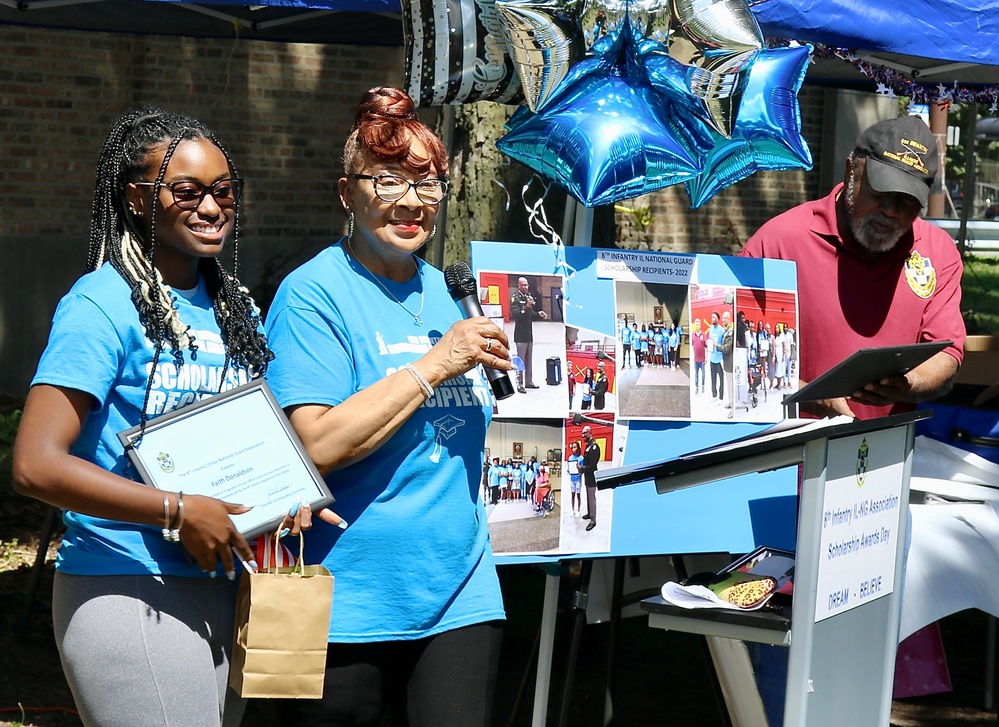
849	562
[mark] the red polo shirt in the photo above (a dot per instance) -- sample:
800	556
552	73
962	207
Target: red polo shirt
848	301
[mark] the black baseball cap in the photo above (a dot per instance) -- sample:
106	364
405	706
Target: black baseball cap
901	156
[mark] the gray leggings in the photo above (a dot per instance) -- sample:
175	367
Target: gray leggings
147	651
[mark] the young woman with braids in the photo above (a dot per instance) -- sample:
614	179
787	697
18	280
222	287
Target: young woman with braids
382	382
143	624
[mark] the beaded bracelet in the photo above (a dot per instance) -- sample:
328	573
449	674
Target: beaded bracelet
425	386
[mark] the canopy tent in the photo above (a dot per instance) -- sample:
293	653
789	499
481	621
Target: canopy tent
959	31
931	42
942	40
347	22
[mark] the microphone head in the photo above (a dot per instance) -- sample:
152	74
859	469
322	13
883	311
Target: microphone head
460	281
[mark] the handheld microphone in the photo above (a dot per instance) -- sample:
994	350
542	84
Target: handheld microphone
578	419
462	289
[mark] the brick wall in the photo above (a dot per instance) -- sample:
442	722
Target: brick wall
726	221
282	110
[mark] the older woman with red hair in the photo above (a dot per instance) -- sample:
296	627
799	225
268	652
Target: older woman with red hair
381	378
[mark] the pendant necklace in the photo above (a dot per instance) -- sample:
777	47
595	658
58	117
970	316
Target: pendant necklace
416	316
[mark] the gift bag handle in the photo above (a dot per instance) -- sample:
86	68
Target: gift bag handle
298	568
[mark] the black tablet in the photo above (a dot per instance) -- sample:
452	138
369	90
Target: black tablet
865	366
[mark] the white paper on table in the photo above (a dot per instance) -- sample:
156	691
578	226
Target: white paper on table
697	597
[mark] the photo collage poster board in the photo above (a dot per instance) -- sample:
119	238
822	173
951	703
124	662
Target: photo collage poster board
668	386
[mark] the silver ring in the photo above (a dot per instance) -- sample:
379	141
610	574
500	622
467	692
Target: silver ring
489	343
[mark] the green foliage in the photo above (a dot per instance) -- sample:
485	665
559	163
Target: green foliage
980	294
9	555
957	158
956	155
641	216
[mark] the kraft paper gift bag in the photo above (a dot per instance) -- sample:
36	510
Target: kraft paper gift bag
282	629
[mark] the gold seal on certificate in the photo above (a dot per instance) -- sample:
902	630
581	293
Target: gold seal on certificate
259	463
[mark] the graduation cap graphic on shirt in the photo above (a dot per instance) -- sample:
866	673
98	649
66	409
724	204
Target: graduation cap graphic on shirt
444	428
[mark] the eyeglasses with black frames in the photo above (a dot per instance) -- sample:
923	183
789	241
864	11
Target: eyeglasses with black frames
392	188
188	194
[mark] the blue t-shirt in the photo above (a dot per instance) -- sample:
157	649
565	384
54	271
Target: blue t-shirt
97	346
626	336
575	477
716	333
416	558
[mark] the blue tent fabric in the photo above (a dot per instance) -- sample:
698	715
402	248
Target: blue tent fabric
365	22
366	6
952	30
949	30
965	31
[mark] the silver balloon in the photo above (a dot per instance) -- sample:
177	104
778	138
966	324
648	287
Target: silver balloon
545	41
651	19
456	53
717	41
600	18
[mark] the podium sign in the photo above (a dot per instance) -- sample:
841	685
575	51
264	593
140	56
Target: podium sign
852	513
860	520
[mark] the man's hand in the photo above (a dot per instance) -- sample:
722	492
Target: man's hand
930	379
885	392
823	408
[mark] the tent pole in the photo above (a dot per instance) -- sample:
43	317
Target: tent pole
46	4
569	218
238	22
583	232
301	17
936	206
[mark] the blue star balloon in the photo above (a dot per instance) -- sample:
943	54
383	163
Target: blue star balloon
653	99
604	138
767	133
712	44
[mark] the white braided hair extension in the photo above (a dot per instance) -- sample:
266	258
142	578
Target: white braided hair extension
142	273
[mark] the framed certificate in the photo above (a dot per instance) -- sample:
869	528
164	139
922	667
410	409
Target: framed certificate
236	446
